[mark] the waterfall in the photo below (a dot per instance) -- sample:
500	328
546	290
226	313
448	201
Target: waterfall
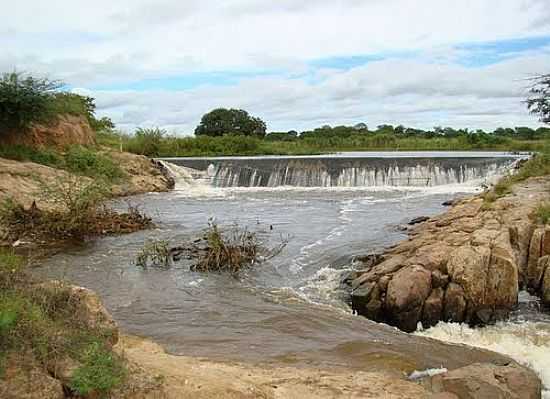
304	174
338	172
185	178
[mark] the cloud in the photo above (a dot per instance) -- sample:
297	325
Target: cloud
294	63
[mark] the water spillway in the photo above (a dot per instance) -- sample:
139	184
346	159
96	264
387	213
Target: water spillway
347	171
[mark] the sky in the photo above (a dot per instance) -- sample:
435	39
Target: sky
297	64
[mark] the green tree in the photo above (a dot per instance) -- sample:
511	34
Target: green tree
25	99
222	121
538	101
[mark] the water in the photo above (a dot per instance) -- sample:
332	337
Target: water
525	337
380	169
291	309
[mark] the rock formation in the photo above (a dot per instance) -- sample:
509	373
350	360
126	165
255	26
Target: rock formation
466	265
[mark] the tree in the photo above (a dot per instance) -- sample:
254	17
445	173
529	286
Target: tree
538	101
222	121
25	99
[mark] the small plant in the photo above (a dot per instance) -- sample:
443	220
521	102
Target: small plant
542	213
155	253
100	372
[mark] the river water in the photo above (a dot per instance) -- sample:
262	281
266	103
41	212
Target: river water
292	309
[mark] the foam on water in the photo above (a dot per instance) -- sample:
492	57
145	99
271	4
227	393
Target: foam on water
526	342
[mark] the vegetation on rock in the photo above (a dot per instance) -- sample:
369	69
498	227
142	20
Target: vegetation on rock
62	328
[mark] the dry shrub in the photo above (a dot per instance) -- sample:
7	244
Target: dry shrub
77	211
230	251
219	250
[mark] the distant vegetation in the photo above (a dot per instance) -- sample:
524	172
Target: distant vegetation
157	142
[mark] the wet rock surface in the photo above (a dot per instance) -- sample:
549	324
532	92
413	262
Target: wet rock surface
466	265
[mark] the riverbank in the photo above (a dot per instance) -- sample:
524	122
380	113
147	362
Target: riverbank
466	265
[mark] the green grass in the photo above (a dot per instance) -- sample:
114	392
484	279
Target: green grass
80	160
46	323
101	371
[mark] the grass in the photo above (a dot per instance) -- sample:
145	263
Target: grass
542	213
48	325
79	160
101	371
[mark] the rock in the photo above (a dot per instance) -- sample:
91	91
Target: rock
439	279
468	267
536	273
484	380
535	252
369	261
455	303
546	287
361	296
388	266
432	256
449	203
433	308
406	294
420	219
24	379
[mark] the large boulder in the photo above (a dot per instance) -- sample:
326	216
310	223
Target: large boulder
407	291
484	381
468	267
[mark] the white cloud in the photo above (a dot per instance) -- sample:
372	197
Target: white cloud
102	43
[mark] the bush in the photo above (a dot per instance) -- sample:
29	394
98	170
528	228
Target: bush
147	142
25	99
79	213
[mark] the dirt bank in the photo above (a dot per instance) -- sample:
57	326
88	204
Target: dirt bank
22	181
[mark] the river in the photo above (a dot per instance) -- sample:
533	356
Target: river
292	308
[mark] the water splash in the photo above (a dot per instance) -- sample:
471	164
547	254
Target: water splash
527	342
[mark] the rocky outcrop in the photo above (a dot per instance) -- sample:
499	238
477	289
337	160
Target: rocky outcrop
485	380
66	130
466	265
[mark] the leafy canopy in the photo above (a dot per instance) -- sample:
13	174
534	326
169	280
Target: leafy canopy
222	121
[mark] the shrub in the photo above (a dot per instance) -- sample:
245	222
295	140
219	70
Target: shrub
25	99
78	213
147	141
155	253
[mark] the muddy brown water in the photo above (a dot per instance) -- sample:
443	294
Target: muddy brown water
289	310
